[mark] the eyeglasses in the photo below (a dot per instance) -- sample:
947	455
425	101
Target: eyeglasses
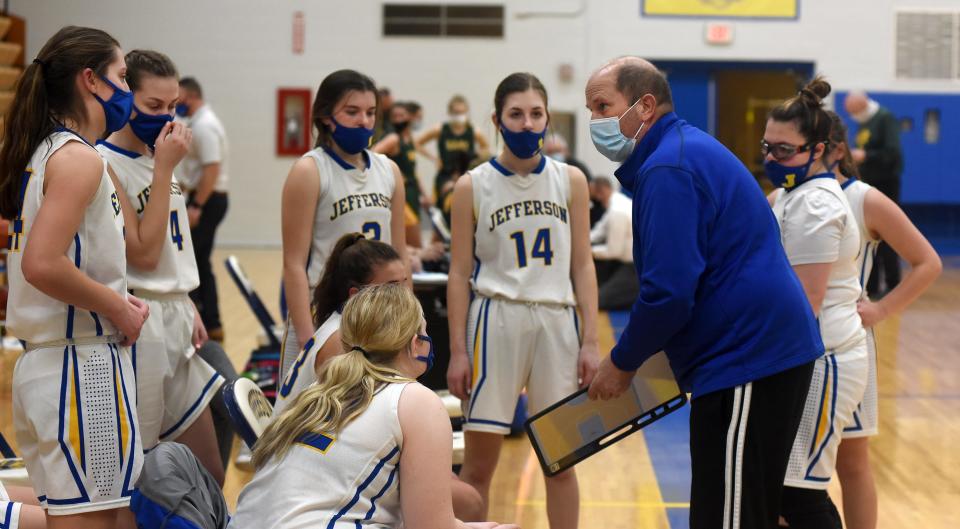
782	151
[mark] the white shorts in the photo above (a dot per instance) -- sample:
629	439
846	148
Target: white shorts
866	418
515	345
9	511
174	385
74	410
836	388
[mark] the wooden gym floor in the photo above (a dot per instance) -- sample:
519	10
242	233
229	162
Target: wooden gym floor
643	481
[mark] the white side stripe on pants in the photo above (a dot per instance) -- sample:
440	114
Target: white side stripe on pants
733	469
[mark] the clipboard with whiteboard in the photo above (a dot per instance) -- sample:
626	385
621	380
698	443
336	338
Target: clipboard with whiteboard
576	428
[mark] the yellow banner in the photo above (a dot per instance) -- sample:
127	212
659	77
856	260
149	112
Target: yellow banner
722	8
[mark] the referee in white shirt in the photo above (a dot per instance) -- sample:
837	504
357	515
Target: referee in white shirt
612	240
204	175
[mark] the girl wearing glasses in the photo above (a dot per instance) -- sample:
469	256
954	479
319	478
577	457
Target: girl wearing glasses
822	241
378	440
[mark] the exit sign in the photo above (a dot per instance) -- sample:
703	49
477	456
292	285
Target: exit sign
719	33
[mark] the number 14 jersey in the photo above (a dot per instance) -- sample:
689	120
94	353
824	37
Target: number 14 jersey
522	238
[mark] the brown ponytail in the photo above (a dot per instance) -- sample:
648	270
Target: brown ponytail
838	136
806	111
351	264
44	98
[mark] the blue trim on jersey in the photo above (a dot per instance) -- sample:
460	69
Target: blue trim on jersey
71	311
63	128
316	440
364	485
484	314
127	491
213	379
846	184
76	390
373	501
507	172
5	449
119	150
576	321
63	444
871	247
116	404
540	166
476	266
345	164
832	359
96	321
857	423
294	372
133	361
7	516
13	242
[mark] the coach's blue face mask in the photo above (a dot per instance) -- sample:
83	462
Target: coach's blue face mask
430	355
610	141
524	144
182	110
116	110
787	177
147	127
351	139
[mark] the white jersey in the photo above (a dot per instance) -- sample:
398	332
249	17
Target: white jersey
817	226
351	200
97	250
522	238
176	272
344	480
856	192
302	374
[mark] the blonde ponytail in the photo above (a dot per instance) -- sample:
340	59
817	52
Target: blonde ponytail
377	325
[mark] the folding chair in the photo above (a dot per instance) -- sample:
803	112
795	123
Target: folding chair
248	408
12	469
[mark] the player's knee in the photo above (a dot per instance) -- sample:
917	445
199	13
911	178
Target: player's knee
809	509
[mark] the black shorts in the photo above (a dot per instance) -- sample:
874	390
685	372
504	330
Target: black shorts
740	441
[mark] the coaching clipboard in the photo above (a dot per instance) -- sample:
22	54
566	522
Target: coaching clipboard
576	428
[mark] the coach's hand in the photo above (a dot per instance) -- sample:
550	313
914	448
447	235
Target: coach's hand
587	364
458	375
610	381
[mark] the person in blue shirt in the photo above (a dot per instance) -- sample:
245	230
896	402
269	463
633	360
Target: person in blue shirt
717	294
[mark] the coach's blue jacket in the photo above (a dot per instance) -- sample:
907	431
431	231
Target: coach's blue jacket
716	290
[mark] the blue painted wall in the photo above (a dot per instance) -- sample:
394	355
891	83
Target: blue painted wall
931	172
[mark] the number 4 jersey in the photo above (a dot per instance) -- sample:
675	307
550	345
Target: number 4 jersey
522	238
176	271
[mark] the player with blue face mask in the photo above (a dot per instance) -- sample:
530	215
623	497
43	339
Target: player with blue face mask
174	385
522	291
821	237
338	187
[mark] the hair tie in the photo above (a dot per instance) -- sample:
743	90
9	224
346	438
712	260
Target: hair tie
361	349
810	95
